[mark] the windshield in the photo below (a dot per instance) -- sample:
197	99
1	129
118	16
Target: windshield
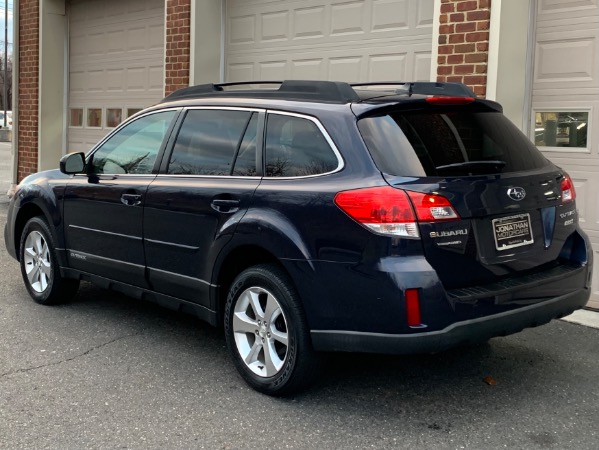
460	143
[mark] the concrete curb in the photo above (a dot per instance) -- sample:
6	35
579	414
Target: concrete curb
584	317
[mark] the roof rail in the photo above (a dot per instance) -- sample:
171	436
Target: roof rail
324	91
424	88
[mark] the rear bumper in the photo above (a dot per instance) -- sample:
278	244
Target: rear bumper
469	331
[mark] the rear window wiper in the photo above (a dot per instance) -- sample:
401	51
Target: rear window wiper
474	166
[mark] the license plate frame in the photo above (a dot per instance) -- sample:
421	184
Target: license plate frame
512	231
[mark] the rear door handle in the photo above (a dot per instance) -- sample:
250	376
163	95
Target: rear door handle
131	199
225	205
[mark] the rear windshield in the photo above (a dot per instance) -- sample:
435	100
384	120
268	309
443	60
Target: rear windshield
448	143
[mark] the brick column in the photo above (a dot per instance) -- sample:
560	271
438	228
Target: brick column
178	18
464	43
28	87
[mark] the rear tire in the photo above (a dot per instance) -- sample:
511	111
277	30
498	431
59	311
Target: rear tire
267	332
39	266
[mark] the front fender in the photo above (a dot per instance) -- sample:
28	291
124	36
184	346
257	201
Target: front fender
38	194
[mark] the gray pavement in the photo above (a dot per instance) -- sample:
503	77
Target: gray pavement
106	371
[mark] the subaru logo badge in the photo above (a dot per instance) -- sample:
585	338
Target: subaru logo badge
516	193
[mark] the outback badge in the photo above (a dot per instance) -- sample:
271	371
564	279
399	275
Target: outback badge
516	193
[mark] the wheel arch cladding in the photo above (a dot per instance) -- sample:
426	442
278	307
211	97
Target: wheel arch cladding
232	263
26	212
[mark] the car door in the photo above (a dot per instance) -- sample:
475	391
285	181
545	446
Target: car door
203	190
103	209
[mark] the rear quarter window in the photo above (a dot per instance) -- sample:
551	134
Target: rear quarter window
448	143
295	147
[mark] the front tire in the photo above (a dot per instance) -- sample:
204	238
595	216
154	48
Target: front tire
267	333
39	265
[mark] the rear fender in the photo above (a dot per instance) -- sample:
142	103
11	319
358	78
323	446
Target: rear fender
274	232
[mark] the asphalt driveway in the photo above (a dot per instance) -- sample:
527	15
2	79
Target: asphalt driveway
106	371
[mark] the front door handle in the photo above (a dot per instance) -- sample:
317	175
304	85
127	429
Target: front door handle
131	199
225	205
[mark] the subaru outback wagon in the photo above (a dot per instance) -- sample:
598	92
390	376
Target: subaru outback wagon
311	216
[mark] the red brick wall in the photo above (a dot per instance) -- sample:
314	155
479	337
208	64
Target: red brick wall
178	18
464	43
28	87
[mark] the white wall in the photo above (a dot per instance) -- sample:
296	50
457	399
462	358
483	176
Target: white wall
53	82
206	42
509	65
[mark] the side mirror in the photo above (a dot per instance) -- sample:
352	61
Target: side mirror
72	163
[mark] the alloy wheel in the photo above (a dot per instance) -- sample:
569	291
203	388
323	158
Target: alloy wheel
260	331
38	265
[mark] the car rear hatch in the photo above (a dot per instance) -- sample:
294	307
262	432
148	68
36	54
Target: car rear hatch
496	213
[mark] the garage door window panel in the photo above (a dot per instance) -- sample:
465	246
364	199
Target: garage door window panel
76	117
132	111
133	149
94	117
114	117
562	130
211	141
295	147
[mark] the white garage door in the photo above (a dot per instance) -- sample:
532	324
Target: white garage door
566	102
369	40
116	54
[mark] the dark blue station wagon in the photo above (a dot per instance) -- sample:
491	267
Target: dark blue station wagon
310	216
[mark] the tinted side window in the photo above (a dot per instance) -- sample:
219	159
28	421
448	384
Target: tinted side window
208	142
438	144
296	147
133	149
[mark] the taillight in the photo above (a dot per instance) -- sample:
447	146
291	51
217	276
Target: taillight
441	101
394	212
568	191
432	208
384	210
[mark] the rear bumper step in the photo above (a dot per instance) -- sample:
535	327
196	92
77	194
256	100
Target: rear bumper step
467	295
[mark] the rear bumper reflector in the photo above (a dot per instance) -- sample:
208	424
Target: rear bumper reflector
413	308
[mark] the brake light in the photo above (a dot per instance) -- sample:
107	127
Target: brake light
568	191
449	100
394	212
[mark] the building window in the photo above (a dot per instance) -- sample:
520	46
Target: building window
114	116
561	130
94	117
76	117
